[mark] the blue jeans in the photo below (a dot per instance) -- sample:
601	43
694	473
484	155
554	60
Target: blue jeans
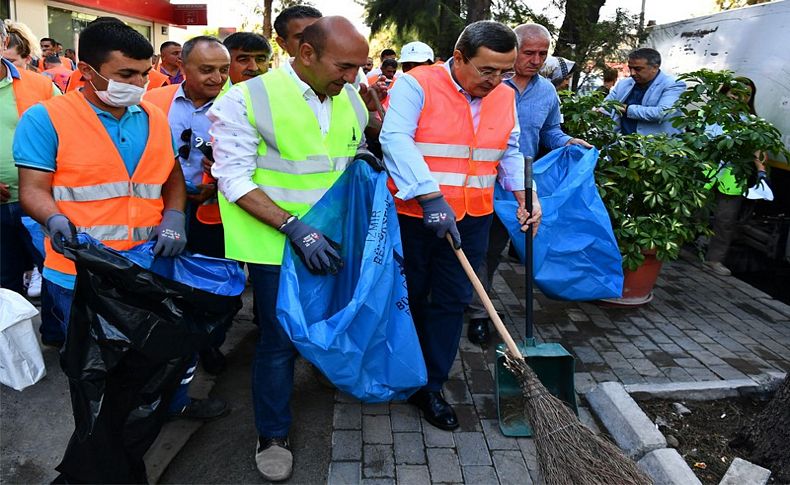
17	253
55	311
273	366
439	289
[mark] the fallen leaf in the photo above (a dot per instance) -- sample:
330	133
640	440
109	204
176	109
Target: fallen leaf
701	465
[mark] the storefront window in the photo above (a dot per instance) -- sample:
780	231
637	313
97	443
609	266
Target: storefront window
65	26
5	9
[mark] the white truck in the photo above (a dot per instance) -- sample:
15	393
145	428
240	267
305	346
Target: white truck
753	42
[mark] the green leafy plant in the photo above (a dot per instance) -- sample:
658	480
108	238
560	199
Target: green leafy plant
584	117
653	188
704	105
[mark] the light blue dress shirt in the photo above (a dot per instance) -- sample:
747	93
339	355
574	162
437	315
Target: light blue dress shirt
539	116
404	160
182	116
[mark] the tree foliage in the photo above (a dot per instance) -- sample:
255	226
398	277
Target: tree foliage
730	4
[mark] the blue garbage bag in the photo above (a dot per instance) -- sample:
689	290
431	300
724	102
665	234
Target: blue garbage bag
36	233
575	252
355	326
215	275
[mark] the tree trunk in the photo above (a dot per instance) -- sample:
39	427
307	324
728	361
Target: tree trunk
267	19
580	17
767	437
478	10
450	27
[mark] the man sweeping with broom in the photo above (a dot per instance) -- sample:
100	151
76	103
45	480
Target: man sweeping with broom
450	133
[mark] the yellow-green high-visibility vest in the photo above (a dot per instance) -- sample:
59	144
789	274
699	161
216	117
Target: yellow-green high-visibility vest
296	163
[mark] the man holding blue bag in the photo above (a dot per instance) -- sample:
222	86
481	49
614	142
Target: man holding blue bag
539	116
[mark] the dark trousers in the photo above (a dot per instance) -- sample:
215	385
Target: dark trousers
207	239
498	238
273	365
439	289
17	254
725	225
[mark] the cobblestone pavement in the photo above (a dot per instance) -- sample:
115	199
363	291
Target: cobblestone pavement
699	327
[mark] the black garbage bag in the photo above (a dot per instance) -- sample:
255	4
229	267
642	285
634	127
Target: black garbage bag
131	336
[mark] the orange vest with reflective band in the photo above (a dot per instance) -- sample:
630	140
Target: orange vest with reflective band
462	160
91	185
60	76
29	89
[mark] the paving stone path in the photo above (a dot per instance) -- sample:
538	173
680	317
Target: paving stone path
699	327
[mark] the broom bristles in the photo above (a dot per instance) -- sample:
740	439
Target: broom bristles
569	453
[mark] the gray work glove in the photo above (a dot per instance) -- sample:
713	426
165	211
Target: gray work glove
438	216
170	234
318	252
60	230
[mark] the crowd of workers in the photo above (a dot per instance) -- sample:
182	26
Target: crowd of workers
206	148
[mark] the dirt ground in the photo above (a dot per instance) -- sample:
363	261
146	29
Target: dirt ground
703	436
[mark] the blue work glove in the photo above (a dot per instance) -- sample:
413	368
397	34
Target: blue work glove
60	230
318	252
438	216
170	234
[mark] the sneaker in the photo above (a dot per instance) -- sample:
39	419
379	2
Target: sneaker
274	458
717	268
34	288
203	410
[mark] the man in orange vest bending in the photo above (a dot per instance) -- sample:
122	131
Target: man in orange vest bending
451	132
57	72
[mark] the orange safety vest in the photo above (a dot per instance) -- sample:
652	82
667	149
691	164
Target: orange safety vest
60	76
461	159
30	89
208	211
155	80
91	185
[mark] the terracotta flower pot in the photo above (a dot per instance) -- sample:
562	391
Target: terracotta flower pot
638	284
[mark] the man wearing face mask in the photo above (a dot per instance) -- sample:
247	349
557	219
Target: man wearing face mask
280	142
85	157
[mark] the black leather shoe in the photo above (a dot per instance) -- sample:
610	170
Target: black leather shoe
478	331
202	410
435	409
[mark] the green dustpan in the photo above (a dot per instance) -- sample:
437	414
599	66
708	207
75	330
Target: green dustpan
551	362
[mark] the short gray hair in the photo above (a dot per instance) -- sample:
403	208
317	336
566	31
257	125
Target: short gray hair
3	30
532	31
652	56
486	33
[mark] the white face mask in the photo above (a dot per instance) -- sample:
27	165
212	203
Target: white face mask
120	95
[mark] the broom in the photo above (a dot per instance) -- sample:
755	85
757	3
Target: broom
569	453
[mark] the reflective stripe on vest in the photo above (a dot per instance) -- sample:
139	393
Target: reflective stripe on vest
295	163
463	160
96	192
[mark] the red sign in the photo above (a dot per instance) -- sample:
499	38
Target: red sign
190	14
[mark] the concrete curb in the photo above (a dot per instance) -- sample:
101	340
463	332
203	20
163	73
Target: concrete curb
708	390
667	467
625	421
742	472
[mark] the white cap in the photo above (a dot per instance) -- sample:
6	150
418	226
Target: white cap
416	52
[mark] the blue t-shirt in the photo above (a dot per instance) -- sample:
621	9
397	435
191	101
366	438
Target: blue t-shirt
36	147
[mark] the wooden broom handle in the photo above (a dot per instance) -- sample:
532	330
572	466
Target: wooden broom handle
481	292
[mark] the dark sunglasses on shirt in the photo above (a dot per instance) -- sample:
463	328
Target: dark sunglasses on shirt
186	137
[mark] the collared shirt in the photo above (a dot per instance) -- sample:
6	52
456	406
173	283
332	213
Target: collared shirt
539	116
236	140
322	109
184	115
36	147
9	116
635	97
405	162
176	78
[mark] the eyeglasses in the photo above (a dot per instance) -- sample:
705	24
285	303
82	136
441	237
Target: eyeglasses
492	73
186	137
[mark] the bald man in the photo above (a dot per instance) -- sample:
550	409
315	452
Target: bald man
270	174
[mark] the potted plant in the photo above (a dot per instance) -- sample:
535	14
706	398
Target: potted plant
656	187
